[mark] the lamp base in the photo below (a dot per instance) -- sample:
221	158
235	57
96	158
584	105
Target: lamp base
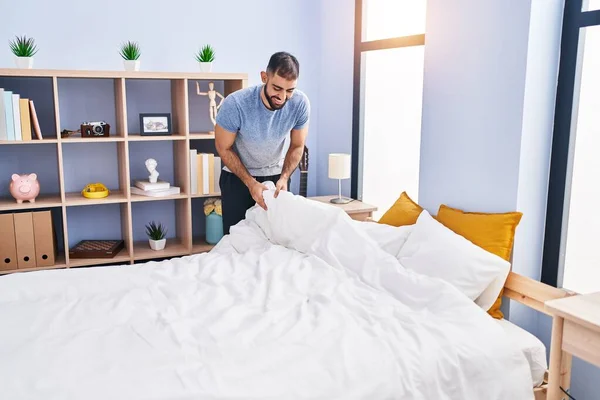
340	200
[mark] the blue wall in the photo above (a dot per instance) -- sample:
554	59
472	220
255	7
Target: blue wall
244	34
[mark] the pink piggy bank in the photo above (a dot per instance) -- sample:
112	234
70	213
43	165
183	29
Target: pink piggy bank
24	187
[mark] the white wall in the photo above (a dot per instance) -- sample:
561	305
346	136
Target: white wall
473	103
536	143
488	108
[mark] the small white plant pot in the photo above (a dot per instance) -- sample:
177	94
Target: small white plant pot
24	62
157	244
132	65
205	66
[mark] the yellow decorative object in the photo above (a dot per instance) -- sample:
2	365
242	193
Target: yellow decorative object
494	232
95	191
211	205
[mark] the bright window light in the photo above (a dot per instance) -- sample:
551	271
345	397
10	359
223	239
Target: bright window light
391	125
582	259
383	19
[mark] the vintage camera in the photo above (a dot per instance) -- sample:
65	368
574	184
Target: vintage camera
95	129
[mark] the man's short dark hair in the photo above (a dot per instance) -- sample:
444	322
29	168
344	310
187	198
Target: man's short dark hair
285	65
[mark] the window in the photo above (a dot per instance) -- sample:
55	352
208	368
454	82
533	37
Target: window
573	221
388	88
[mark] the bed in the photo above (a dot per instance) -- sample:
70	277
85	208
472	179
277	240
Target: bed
298	302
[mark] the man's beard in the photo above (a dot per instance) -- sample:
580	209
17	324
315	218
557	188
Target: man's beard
271	104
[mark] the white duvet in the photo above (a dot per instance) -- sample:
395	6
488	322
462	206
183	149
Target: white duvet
299	302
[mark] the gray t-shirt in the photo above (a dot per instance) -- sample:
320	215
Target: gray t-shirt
262	135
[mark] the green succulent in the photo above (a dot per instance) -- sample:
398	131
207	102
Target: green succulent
206	54
130	51
156	232
23	46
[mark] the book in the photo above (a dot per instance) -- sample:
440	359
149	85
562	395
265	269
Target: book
156	192
34	121
205	173
9	114
25	119
3	132
193	172
17	115
217	173
146	185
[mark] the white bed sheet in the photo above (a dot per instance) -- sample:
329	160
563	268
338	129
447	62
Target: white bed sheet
532	347
297	303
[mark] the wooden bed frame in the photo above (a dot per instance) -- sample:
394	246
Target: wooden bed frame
533	294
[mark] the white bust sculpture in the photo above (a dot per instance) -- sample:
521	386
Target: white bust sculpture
151	167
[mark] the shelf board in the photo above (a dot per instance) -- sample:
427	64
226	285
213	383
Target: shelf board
76	199
202	135
121	74
173	248
197	195
200	246
42	201
59	263
121	257
138	197
35	141
93	140
140	138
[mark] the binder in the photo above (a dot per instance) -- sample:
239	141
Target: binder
25	240
45	240
8	246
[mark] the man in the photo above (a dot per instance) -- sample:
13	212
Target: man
259	135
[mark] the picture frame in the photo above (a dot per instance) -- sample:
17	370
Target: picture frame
155	124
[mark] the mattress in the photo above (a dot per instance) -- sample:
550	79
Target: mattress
531	346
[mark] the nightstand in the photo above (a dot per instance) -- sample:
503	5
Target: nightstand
355	209
575	332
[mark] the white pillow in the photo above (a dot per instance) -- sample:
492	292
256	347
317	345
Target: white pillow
434	250
389	238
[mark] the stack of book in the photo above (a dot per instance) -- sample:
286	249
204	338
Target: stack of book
18	119
158	189
205	171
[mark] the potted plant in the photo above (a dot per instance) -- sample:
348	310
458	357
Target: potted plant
130	51
24	49
156	235
205	58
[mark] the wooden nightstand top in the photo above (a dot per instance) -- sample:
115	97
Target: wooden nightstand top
582	309
354	207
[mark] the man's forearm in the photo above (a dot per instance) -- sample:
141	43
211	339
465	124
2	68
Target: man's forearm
233	162
292	158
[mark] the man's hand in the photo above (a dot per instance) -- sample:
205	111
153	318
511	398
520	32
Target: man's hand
281	185
256	190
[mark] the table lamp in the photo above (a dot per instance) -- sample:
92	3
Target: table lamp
339	168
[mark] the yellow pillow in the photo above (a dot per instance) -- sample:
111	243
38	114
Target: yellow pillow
494	232
403	212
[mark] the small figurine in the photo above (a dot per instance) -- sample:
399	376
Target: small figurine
24	187
213	108
151	165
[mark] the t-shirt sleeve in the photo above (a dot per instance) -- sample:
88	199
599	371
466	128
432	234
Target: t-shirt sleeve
303	113
228	115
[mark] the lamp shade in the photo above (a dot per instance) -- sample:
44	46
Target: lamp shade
339	166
